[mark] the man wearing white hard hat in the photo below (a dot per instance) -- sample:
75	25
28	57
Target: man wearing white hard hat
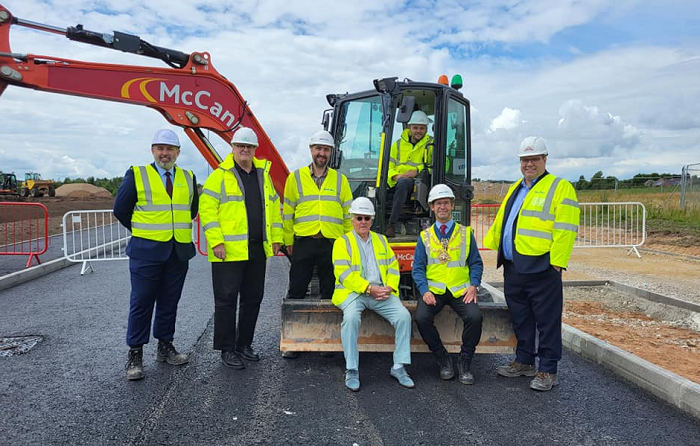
367	276
407	159
447	270
315	213
534	233
157	203
239	211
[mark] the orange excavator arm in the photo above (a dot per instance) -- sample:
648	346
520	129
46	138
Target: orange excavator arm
190	93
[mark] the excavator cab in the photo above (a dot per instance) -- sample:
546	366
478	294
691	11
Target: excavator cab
365	125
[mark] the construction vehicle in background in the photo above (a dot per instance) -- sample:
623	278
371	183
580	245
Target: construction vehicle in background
36	186
191	94
8	185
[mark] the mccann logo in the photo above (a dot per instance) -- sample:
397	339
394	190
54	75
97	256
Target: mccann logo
175	94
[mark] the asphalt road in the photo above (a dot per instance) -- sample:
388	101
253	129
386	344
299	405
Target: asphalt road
71	389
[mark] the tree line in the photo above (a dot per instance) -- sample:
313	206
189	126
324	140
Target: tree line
598	181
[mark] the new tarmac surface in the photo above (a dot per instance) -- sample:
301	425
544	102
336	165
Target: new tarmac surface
71	387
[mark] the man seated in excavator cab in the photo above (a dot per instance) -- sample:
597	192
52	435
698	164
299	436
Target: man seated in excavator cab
408	159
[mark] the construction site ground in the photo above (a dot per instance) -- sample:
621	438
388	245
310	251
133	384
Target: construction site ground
623	320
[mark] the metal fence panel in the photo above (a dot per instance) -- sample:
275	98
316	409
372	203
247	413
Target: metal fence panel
90	236
24	230
601	225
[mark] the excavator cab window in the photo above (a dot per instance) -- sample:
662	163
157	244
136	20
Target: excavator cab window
456	169
360	142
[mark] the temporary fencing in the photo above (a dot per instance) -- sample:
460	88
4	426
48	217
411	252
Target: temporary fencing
92	236
601	225
24	230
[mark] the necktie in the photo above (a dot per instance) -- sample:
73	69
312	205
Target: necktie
168	184
443	229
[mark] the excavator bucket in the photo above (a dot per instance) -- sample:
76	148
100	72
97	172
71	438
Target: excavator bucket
314	325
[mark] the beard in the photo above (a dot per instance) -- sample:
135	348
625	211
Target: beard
167	166
320	163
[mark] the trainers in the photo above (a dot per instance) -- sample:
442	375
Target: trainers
134	365
232	359
352	380
402	376
464	366
544	381
248	353
444	361
290	355
516	368
167	353
390	231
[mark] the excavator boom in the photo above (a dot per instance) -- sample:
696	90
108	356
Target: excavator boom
190	94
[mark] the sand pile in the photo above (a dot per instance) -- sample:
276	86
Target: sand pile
82	190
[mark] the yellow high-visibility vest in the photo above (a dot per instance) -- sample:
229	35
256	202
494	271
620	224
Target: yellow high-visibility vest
308	210
156	216
347	266
405	156
453	272
547	221
224	216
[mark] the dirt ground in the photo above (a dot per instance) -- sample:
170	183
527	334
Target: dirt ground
652	335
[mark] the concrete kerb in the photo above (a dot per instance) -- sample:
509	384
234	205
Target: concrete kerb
19	277
674	389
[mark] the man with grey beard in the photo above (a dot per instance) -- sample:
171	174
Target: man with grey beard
157	203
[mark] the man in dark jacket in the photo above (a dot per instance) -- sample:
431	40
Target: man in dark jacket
157	203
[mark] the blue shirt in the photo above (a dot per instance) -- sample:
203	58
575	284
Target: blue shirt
420	259
370	269
514	210
162	171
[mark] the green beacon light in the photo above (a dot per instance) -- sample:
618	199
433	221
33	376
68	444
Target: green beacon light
456	82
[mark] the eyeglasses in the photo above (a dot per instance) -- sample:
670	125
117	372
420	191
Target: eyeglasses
525	161
363	217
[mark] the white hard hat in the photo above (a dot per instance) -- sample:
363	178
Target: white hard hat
440	191
322	138
167	137
531	146
244	135
362	206
419	117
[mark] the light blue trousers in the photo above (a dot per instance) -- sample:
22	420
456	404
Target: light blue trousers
392	310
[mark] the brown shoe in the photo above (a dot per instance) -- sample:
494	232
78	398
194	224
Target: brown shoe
544	381
390	231
516	368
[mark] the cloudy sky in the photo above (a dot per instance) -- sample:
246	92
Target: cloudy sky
611	85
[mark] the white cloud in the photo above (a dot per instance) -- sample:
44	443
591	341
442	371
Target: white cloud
507	120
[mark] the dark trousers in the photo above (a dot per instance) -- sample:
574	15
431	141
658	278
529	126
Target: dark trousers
469	313
535	302
402	190
246	279
156	284
310	252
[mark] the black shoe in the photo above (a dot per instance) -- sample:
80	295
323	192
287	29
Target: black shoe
134	365
232	359
167	353
444	360
248	353
464	366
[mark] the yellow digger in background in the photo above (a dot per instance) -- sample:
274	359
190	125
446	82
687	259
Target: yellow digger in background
36	186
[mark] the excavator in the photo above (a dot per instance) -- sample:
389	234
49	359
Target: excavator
190	93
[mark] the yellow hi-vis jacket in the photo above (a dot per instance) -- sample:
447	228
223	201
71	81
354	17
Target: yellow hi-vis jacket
547	221
405	156
308	210
223	213
156	216
453	274
347	266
